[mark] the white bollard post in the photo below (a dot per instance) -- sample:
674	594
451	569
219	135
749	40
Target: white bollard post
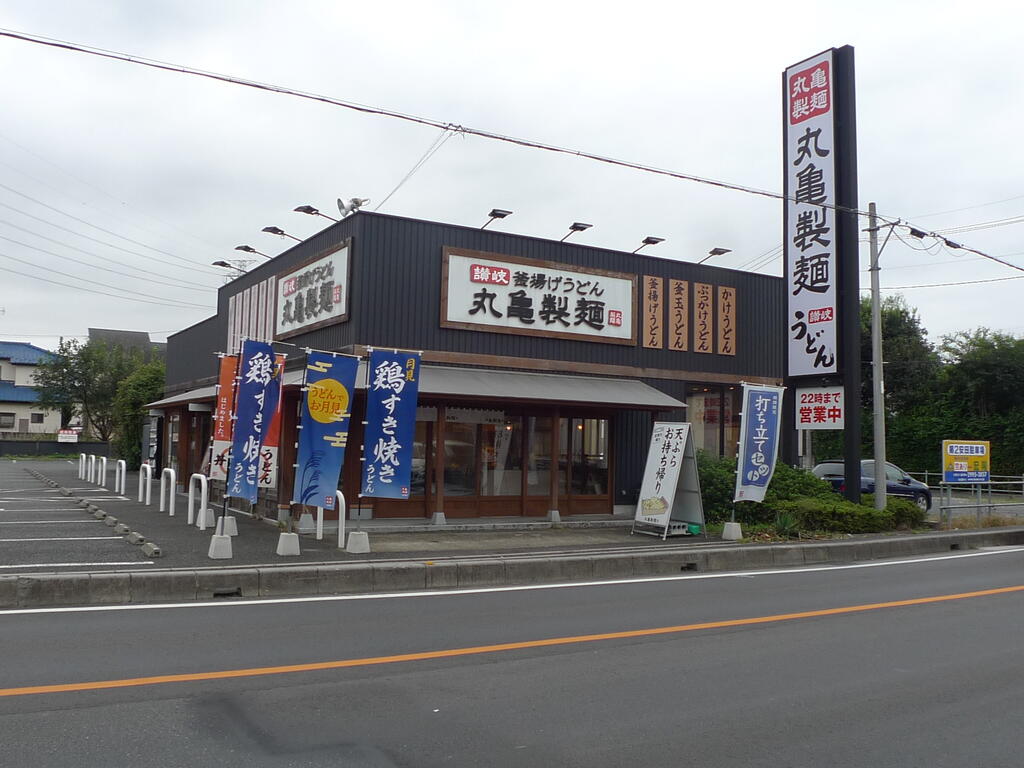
81	466
101	472
204	495
146	471
92	467
120	476
167	473
319	523
340	505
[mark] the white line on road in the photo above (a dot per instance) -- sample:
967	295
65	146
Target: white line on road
68	538
76	565
47	509
46	522
488	590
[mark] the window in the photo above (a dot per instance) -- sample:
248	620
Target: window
538	467
37	418
502	459
459	459
6	421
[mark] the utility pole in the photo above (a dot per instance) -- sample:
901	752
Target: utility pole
878	376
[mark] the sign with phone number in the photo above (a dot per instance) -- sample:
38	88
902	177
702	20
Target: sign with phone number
966	461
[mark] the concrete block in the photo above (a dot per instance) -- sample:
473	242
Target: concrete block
815	554
92	508
533	570
99	514
442	575
578	568
8	591
122	529
847	552
735	558
111	521
292	580
732	532
399	577
787	555
306	523
227	582
150	549
345	579
220	548
40	590
109	588
136	538
607	567
358	543
230	526
482	573
159	586
659	563
206	518
288	544
884	548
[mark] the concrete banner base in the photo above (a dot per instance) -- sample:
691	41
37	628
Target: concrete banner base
732	532
288	545
358	543
306	523
220	548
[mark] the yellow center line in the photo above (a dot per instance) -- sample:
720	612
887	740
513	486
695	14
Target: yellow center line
498	648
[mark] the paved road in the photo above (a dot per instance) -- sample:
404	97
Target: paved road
930	684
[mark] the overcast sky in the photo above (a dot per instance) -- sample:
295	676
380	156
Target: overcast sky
179	170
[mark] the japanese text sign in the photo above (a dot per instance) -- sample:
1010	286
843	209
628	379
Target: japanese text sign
222	427
258	398
654	311
810	231
679	315
394	380
726	320
703	321
326	411
313	295
505	294
820	408
966	461
661	473
759	440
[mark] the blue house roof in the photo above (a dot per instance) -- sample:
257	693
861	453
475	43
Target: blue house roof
9	393
22	353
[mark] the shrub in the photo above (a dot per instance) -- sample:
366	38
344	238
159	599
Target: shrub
837	515
906	514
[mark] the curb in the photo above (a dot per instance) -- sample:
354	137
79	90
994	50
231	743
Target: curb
50	590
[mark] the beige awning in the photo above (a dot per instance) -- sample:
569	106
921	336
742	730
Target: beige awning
498	385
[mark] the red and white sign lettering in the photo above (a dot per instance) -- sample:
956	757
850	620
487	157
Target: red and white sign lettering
820	408
483	273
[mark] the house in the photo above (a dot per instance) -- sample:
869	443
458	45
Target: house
20	413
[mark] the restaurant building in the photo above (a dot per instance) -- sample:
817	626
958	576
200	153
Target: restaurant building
544	363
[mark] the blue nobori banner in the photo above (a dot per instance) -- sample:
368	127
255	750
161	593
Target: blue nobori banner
394	380
259	394
326	410
759	440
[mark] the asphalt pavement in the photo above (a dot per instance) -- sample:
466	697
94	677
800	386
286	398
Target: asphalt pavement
873	664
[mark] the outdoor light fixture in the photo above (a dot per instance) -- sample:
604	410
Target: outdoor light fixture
250	249
280	232
313	212
715	252
238	265
576	226
650	241
496	213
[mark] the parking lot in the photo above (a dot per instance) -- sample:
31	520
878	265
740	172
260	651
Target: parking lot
42	530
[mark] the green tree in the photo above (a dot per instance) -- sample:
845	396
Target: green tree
85	377
142	386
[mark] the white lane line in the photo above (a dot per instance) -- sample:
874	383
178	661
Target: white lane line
77	565
47	522
67	538
25	501
489	590
47	509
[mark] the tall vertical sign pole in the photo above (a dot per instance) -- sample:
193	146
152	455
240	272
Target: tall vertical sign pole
849	272
821	238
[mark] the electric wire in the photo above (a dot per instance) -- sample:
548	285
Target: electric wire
144	271
90	290
96	282
438	142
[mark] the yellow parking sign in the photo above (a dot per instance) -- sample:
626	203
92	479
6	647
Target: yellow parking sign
966	461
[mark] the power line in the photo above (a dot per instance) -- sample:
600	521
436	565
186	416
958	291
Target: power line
945	285
95	282
96	240
144	276
96	226
88	253
431	150
970	207
90	290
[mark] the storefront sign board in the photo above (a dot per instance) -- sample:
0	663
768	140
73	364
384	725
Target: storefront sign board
505	294
313	295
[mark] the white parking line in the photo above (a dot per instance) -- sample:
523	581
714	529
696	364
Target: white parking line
68	538
77	565
46	522
48	509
